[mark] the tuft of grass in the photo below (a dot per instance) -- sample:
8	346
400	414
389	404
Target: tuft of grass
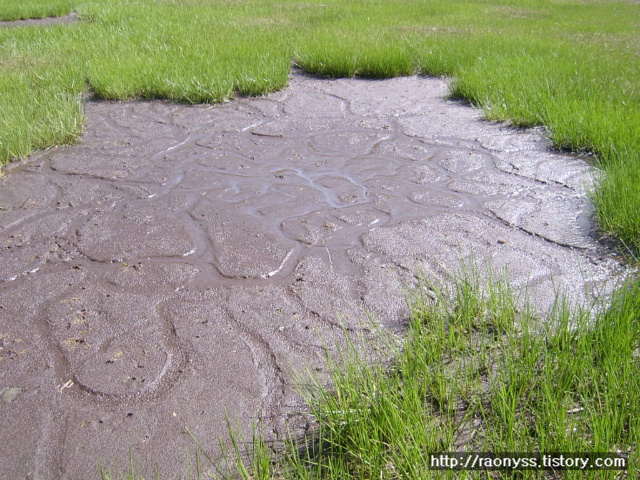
23	9
617	201
477	372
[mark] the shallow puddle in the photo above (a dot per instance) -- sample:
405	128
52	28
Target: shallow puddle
168	270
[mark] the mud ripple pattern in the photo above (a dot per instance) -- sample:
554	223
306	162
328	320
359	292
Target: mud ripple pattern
170	269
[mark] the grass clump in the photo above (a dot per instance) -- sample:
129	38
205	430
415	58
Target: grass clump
23	9
478	372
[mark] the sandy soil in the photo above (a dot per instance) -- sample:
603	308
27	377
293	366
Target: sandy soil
170	268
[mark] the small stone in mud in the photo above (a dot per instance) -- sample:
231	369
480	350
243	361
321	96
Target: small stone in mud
8	395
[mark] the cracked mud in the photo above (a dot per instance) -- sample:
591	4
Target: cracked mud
167	271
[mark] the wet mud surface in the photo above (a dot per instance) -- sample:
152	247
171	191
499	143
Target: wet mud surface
40	22
168	270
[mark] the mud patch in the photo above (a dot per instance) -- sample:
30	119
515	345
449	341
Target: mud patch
40	22
170	269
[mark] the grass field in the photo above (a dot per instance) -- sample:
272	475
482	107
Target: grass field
570	65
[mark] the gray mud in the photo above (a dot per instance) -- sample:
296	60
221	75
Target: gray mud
169	269
40	22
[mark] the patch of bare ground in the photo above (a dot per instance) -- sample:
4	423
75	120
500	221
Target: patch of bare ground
168	271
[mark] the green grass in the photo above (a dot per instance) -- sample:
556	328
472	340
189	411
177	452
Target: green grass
479	371
572	66
23	9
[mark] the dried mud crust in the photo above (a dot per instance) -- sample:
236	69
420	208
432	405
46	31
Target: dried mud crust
166	272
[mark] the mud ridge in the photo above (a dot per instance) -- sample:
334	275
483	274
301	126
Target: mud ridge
173	267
